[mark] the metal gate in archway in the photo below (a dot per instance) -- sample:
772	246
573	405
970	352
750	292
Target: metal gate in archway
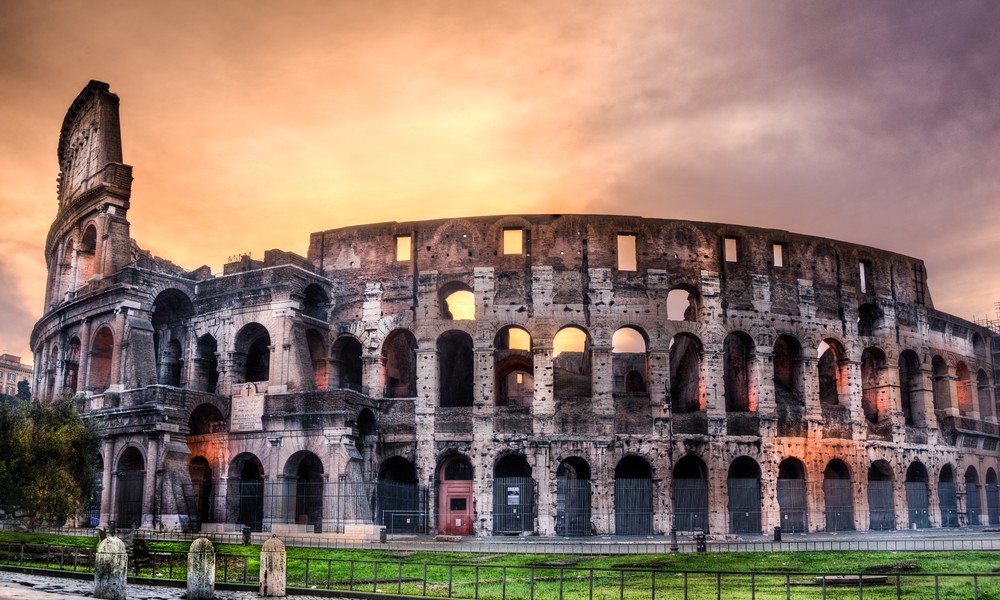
792	504
633	506
948	500
972	503
839	497
744	505
129	498
251	504
881	506
513	504
401	507
573	507
993	503
690	504
916	504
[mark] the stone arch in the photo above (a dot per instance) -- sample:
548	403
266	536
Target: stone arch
685	374
206	419
513	367
348	363
252	355
87	264
71	365
743	486
963	388
305	476
973	503
630	360
513	494
172	311
793	502
202	490
789	394
571	362
881	496
942	386
978	345
683	303
992	497
738	371
130	483
315	302
455	506
246	491
875	401
573	493
633	496
101	351
832	373
909	385
984	395
838	496
399	360
206	364
456	364
457	301
400	503
917	495
948	497
869	319
690	494
318	361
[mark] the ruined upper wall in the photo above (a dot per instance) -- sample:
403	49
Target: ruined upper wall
669	253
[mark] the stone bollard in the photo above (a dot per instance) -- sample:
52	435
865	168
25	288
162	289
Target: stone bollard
201	570
272	568
110	569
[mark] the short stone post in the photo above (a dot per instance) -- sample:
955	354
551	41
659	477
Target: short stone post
110	569
201	570
272	568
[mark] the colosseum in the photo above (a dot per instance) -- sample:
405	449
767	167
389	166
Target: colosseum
565	375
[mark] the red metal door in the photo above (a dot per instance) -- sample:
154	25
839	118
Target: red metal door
455	508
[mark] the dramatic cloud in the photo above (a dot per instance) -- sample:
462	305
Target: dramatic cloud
251	124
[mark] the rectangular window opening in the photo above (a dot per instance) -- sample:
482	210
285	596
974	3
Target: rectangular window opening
513	241
626	253
865	275
779	254
730	249
403	247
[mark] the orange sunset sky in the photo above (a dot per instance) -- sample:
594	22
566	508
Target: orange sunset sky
251	124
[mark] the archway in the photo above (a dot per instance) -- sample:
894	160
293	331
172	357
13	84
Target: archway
948	497
972	504
399	357
685	374
633	497
316	345
573	497
206	419
315	302
305	469
249	491
788	381
917	494
71	366
172	309
253	349
513	495
792	497
457	302
984	396
456	365
963	388
992	497
200	505
690	494
400	503
131	481
832	375
743	485
737	361
682	304
513	367
629	361
881	497
347	363
571	363
455	508
207	364
942	387
838	495
101	350
909	383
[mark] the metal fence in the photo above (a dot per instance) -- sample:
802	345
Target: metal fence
537	582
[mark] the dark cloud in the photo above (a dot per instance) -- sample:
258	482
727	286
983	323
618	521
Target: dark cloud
16	318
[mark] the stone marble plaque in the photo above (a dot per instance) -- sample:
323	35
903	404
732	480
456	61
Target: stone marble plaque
247	409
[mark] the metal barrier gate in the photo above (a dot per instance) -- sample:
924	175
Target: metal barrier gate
948	499
573	507
744	505
690	504
881	506
993	503
972	503
792	504
839	497
401	507
633	506
513	504
917	504
129	498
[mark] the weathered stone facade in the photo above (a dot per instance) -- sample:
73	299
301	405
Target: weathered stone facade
618	375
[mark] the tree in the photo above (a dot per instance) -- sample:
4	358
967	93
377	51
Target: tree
23	390
48	459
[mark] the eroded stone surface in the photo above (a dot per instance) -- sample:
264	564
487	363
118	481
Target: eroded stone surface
110	569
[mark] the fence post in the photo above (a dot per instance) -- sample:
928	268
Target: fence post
201	570
273	567
110	566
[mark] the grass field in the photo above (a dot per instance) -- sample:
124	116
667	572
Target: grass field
544	576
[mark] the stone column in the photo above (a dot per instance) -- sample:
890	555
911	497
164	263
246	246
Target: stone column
149	488
849	389
106	480
546	484
425	405
601	386
543	407
117	351
86	343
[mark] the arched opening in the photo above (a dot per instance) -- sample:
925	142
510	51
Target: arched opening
963	387
455	510
984	396
682	304
685	374
401	504
737	360
571	363
71	365
992	497
457	301
347	363
513	495
456	363
248	495
690	494
743	485
101	350
973	506
792	502
629	361
948	497
869	319
200	506
87	255
838	495
206	370
917	493
881	498
317	358
172	309
253	353
307	471
399	357
131	475
832	373
573	497
513	367
872	383
93	504
315	302
50	371
788	381
909	384
633	496
978	345
942	387
206	419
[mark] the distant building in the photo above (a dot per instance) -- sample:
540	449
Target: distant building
11	372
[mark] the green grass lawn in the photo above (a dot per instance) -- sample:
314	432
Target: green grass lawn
603	577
